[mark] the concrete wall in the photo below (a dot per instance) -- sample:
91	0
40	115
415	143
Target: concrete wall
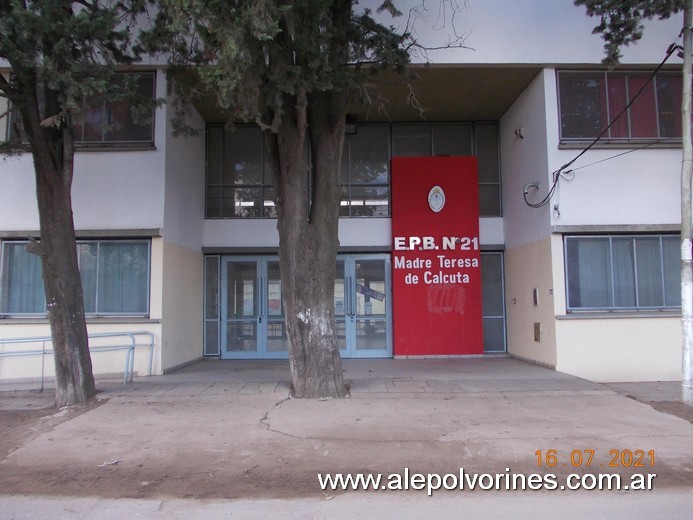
121	191
620	349
353	232
528	269
30	368
640	187
182	246
525	161
613	346
528	258
111	189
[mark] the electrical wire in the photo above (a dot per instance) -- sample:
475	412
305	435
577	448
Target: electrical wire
560	172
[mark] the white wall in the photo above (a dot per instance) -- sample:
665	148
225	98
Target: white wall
353	232
182	289
524	160
640	187
111	190
184	203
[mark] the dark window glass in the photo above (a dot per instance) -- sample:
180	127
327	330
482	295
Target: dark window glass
589	101
623	272
239	183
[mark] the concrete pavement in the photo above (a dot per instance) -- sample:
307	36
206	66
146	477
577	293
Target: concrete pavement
218	435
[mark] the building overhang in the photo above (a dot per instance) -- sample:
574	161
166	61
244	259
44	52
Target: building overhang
432	93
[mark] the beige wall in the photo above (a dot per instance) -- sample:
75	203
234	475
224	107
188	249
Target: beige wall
103	363
30	368
620	349
615	347
182	305
526	268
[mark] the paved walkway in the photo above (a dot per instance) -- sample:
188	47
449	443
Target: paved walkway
220	430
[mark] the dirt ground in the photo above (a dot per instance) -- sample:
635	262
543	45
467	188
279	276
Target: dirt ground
18	427
263	480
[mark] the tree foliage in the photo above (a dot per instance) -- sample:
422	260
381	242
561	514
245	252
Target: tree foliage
621	21
292	67
61	52
251	54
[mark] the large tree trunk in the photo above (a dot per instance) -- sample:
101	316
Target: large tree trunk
308	195
53	153
73	371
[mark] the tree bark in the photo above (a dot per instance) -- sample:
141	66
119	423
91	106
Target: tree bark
53	153
308	195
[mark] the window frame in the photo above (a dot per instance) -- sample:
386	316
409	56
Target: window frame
612	285
104	144
626	118
346	206
265	186
4	280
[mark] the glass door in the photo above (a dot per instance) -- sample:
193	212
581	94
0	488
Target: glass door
277	342
251	309
365	325
252	321
240	309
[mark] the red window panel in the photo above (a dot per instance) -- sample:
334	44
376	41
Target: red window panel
618	99
643	113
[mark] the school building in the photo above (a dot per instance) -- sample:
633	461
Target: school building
446	249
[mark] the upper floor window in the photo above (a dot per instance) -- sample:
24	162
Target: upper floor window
114	273
103	123
239	183
589	101
441	139
238	176
623	272
106	122
365	177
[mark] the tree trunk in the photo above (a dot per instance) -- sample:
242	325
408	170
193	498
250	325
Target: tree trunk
73	371
686	214
308	195
53	153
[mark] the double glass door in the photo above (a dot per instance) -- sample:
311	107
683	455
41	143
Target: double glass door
252	312
362	296
251	309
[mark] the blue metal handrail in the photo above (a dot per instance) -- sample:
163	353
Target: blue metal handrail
130	346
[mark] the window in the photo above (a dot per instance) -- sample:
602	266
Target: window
115	278
589	101
239	183
113	122
623	272
492	299
365	177
238	177
108	123
480	139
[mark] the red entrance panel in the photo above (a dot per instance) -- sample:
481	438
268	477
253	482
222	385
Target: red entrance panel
436	263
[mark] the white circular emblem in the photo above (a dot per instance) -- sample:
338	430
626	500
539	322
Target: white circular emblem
436	199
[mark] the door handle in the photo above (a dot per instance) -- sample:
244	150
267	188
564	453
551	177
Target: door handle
351	311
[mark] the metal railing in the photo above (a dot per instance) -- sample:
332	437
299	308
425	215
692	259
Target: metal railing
129	345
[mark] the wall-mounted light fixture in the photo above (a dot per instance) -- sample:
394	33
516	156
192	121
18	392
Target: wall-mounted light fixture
520	132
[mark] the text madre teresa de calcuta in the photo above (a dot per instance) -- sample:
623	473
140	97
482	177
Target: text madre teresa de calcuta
440	268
